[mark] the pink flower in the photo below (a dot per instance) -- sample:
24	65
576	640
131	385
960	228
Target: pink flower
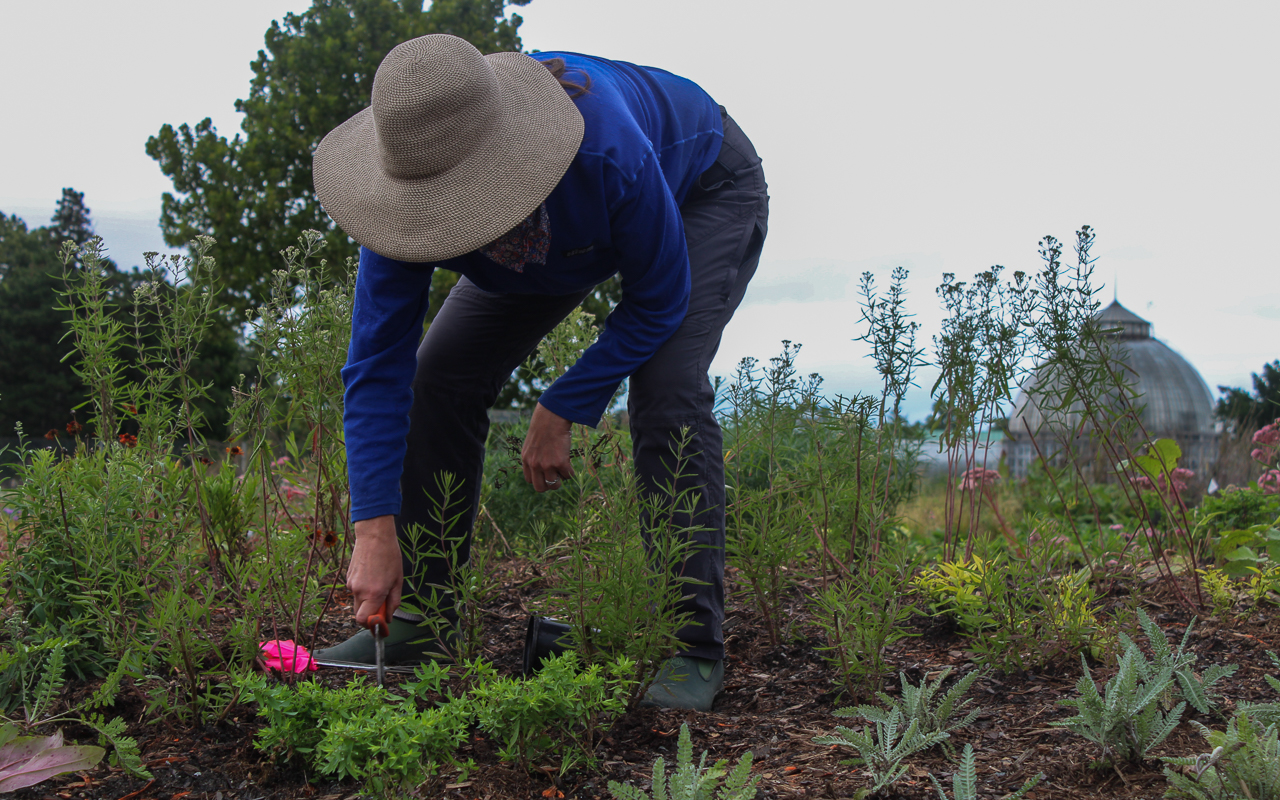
284	655
280	462
1269	481
1117	527
1260	456
1178	478
1267	435
977	478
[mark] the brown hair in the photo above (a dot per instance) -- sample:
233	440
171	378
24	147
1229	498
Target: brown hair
557	68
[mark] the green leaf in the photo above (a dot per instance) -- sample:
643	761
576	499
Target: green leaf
1167	452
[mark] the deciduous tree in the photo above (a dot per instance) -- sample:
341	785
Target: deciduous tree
253	193
1249	411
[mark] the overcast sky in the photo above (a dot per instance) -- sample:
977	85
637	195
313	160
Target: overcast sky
941	136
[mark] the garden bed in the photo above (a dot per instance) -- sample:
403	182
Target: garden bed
775	701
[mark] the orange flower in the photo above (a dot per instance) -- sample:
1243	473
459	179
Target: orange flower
235	451
52	434
131	408
128	440
203	460
330	538
74	427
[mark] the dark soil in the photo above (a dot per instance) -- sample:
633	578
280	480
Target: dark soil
775	701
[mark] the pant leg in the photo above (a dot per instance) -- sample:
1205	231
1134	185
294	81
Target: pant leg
725	220
474	344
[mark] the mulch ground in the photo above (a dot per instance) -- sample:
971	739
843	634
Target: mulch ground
775	701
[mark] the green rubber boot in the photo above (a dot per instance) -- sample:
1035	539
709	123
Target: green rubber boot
407	645
686	682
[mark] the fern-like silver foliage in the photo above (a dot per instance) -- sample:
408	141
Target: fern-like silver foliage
964	783
918	704
1244	764
693	781
1124	719
883	744
1195	688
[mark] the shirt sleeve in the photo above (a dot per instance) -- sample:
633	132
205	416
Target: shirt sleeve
647	232
391	301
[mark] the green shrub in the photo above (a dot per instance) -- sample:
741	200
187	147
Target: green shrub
861	614
359	731
562	709
1236	509
1016	614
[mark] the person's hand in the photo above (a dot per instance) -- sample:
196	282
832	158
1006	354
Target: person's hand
376	572
545	457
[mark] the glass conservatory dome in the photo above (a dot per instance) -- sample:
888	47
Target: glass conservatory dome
1176	400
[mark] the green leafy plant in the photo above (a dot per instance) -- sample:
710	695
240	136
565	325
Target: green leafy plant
199	660
1217	584
964	782
922	705
861	615
1246	549
1015	615
616	580
1124	719
389	746
955	588
882	745
1243	764
563	709
1235	509
692	781
359	731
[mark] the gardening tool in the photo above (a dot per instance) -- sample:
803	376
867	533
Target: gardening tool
377	625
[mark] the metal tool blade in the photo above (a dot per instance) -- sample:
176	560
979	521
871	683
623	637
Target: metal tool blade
379	626
380	646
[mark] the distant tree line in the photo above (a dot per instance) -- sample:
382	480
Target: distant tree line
1250	411
37	385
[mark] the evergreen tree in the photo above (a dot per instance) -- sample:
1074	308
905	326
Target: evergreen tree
37	386
70	219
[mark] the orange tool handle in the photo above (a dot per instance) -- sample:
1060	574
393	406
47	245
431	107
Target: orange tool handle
377	622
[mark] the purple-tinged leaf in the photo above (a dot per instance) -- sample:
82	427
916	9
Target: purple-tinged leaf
28	760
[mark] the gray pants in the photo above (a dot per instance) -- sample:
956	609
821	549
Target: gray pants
479	338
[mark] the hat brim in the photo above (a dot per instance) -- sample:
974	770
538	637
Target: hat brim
501	182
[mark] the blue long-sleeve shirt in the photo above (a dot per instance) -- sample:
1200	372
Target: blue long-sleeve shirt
648	136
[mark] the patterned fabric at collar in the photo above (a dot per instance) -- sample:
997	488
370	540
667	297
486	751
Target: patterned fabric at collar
527	243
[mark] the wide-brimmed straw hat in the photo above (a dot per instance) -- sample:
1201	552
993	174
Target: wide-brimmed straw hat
455	150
